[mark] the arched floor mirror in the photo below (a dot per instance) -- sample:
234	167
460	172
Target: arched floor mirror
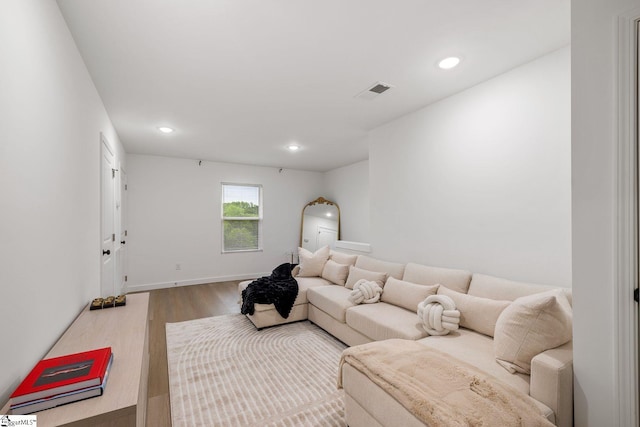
320	224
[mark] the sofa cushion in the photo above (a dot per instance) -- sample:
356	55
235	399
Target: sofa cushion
498	288
333	300
382	321
476	349
335	273
356	274
342	258
311	264
458	280
478	314
392	269
531	325
305	283
406	295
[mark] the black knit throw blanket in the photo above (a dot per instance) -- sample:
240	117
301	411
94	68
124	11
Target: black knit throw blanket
279	289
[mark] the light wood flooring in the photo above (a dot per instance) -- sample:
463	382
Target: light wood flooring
177	305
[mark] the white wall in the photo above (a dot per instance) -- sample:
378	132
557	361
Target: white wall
481	180
348	186
174	217
50	120
594	128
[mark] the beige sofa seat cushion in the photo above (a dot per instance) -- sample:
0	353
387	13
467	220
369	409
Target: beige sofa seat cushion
332	300
356	274
305	283
382	321
312	263
342	258
406	295
504	289
478	314
477	350
392	269
531	325
458	280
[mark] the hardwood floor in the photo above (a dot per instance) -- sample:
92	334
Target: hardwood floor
177	305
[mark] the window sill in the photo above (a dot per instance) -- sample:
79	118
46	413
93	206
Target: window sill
241	251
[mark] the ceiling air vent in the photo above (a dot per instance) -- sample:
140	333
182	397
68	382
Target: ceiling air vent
374	91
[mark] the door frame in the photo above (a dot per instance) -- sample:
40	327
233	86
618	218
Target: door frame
626	246
105	144
123	229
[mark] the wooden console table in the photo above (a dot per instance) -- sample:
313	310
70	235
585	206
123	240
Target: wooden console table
124	402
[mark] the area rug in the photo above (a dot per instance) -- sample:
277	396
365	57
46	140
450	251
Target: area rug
224	372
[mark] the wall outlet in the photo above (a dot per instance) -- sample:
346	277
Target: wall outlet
178	266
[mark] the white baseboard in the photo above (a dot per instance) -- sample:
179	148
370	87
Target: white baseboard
165	285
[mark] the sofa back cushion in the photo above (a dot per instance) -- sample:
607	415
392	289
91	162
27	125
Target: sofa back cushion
457	280
476	313
498	288
405	294
393	269
530	325
335	273
342	258
356	274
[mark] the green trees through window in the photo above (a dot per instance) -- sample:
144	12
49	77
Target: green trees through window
240	235
241	217
240	209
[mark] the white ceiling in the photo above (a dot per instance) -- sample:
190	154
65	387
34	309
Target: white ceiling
241	79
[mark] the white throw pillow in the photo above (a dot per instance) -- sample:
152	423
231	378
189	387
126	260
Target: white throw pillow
336	273
476	313
342	258
529	326
356	274
312	264
438	315
406	294
366	292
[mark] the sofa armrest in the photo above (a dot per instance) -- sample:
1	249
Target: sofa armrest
295	270
552	382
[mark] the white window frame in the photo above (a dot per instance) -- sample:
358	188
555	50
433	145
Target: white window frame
258	218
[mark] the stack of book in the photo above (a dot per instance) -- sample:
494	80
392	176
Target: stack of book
61	380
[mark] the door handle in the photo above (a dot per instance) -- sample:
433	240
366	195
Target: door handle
123	242
107	252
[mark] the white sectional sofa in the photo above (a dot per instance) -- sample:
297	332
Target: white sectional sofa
480	300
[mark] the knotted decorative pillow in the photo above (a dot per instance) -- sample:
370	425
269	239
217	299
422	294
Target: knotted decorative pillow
439	315
365	291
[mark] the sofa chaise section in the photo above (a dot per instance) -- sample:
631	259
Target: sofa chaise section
265	315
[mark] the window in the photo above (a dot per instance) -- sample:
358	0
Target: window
241	217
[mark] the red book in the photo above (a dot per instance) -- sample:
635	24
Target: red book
63	374
62	399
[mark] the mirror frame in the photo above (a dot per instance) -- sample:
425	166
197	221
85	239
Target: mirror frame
323	201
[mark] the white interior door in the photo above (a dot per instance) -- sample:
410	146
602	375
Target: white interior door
326	237
107	235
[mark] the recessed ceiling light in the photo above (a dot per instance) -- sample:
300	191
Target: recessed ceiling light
448	63
165	129
293	147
